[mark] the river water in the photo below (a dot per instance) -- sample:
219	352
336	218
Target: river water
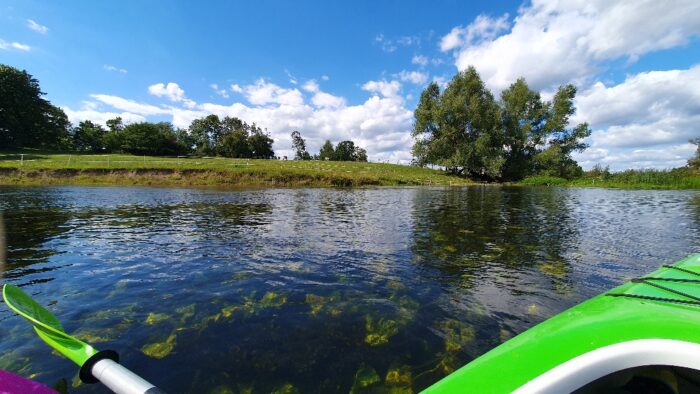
317	290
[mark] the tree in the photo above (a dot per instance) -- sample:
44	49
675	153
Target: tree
523	117
157	139
562	141
89	137
694	162
466	131
207	134
360	154
260	143
460	129
299	146
27	119
327	152
344	151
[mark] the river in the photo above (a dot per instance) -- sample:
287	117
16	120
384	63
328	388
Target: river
317	290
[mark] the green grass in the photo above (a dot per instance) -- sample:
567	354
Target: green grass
114	169
679	178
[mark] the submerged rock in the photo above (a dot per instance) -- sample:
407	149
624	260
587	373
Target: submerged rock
273	300
286	388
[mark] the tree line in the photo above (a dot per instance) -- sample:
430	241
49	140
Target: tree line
344	151
467	131
27	120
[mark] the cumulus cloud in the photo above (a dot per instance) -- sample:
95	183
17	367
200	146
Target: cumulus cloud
236	88
172	92
483	28
221	92
420	60
386	89
14	45
129	105
311	86
551	43
381	124
115	69
37	27
643	122
414	77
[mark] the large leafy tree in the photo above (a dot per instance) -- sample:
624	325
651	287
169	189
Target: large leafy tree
299	146
327	151
460	128
89	137
206	133
26	118
466	131
260	143
157	139
345	151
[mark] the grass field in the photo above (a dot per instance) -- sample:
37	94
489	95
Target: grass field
679	178
115	169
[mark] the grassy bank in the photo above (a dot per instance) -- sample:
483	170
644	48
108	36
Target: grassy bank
679	178
58	169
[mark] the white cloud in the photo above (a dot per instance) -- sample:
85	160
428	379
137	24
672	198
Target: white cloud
326	100
381	124
642	122
420	60
221	92
77	116
115	69
324	77
484	28
14	45
37	27
236	88
311	86
391	45
265	93
130	105
551	43
386	89
415	77
172	91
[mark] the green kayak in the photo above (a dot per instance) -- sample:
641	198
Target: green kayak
643	334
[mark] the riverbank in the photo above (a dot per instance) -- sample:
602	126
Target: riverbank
676	179
61	169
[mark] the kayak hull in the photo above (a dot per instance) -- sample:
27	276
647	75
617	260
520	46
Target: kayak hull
636	324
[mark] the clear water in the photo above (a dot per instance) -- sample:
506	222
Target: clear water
318	290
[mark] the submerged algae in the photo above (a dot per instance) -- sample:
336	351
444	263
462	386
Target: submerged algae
160	349
379	330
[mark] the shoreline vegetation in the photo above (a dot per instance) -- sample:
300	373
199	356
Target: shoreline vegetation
37	168
119	169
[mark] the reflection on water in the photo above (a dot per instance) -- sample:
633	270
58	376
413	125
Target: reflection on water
318	290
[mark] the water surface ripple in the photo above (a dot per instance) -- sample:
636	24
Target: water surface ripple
318	290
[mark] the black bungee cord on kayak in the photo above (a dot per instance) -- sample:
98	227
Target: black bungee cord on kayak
692	300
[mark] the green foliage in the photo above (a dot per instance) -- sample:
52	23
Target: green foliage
228	137
26	119
89	137
544	180
694	162
327	151
157	139
344	151
299	145
466	131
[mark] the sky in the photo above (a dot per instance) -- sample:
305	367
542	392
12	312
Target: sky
355	70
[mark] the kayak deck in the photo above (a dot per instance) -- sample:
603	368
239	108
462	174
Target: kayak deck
617	330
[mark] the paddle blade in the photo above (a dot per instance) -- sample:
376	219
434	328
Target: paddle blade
46	325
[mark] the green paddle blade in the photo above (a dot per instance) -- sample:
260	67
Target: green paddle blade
46	325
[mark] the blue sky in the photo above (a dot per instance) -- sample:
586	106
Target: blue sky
354	70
